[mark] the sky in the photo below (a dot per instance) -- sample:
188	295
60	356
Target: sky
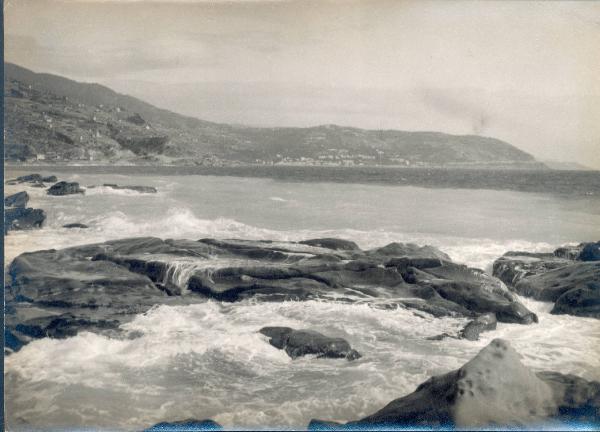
524	72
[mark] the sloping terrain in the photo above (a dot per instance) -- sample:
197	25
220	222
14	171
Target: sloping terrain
53	118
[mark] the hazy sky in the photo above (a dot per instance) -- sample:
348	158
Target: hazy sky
525	72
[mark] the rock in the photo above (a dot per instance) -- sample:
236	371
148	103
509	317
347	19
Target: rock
582	252
494	389
186	426
483	323
297	343
514	266
409	249
332	243
112	281
75	225
140	189
549	286
65	188
50	179
569	274
20	199
590	252
583	300
29	178
19	218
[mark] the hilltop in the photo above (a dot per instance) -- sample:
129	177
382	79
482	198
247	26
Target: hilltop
55	119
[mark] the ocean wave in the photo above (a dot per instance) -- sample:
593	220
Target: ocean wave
203	356
181	222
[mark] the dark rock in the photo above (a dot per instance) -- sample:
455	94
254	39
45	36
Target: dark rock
483	323
569	274
50	179
332	243
140	189
114	280
493	389
65	188
549	286
582	252
408	249
590	252
568	252
514	266
186	426
75	225
583	300
29	178
20	199
19	218
297	343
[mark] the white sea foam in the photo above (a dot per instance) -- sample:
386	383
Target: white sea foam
209	360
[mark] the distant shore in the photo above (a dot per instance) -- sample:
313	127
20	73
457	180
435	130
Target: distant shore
570	183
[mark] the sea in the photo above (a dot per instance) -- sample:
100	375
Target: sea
207	360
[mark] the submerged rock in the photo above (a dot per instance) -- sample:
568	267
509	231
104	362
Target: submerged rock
117	279
19	218
297	343
20	199
186	426
75	225
483	323
65	188
568	274
492	389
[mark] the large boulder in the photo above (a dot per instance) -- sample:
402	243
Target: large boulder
494	389
20	199
297	343
19	218
65	188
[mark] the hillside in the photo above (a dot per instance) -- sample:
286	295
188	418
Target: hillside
56	119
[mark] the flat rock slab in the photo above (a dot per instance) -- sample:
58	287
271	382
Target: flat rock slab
297	343
492	389
90	286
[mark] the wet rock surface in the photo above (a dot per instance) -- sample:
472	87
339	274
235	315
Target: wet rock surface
297	343
20	199
492	389
110	282
65	188
568	277
186	426
19	218
483	323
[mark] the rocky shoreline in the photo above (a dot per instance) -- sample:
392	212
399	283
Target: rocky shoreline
99	287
